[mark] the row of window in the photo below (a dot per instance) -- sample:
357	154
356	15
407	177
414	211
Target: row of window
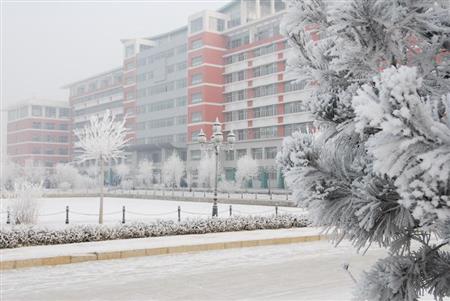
161	123
49	151
38	111
263	50
257	71
162	105
268	153
98	84
265	111
261	91
142	61
162	88
51	139
179	138
50	126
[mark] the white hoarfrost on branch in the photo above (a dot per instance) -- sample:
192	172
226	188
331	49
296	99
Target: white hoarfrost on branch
247	170
25	206
173	170
103	140
206	170
145	173
378	169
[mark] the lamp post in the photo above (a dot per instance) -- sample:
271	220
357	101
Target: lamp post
215	144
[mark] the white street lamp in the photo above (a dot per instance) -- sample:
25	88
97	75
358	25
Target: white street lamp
215	143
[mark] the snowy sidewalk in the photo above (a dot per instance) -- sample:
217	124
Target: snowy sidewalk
115	249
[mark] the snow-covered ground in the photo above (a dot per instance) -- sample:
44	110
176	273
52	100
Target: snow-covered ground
304	271
85	210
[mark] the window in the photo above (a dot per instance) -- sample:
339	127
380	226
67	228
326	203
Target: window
49	126
36	111
181	49
142	61
129	50
170	68
196	117
197	79
265	111
279	5
265	90
229	155
63	127
293	86
241	153
291	128
257	153
196	155
181	101
238	40
181	83
194	136
264	50
196	44
196	98
197	60
265	132
50	112
181	65
63	151
271	152
181	119
130	65
36	125
63	139
265	69
241	135
293	107
235	96
196	25
64	112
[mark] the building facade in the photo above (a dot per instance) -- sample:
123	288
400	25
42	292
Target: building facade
38	133
237	73
228	64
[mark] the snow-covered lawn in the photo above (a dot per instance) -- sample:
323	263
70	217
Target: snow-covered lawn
85	210
304	271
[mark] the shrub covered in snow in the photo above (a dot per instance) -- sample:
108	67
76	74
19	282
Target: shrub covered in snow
20	236
25	208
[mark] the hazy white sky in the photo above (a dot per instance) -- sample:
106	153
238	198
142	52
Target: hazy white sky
46	45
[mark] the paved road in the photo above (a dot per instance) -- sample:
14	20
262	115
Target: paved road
304	271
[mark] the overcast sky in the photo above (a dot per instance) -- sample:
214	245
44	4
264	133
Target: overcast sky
46	45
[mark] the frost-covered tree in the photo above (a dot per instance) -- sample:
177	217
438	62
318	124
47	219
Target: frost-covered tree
173	170
103	140
206	170
25	206
67	176
378	169
122	170
247	169
9	172
145	173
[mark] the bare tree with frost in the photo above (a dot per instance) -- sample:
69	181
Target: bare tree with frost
102	140
247	170
378	169
173	170
145	173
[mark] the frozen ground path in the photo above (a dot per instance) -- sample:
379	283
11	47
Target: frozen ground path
304	271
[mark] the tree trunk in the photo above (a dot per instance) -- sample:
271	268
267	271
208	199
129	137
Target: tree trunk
102	181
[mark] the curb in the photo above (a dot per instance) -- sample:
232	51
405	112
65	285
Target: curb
68	259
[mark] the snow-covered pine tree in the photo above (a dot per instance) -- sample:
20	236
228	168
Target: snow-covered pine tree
378	170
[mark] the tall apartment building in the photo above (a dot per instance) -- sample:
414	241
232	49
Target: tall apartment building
228	64
160	105
38	133
236	72
93	96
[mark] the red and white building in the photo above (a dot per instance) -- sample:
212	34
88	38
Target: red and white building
38	133
237	73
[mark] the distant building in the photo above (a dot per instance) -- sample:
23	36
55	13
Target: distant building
38	132
228	64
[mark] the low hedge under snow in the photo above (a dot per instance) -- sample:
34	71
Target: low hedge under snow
20	236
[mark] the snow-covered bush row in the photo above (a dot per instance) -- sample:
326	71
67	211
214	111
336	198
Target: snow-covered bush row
20	236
